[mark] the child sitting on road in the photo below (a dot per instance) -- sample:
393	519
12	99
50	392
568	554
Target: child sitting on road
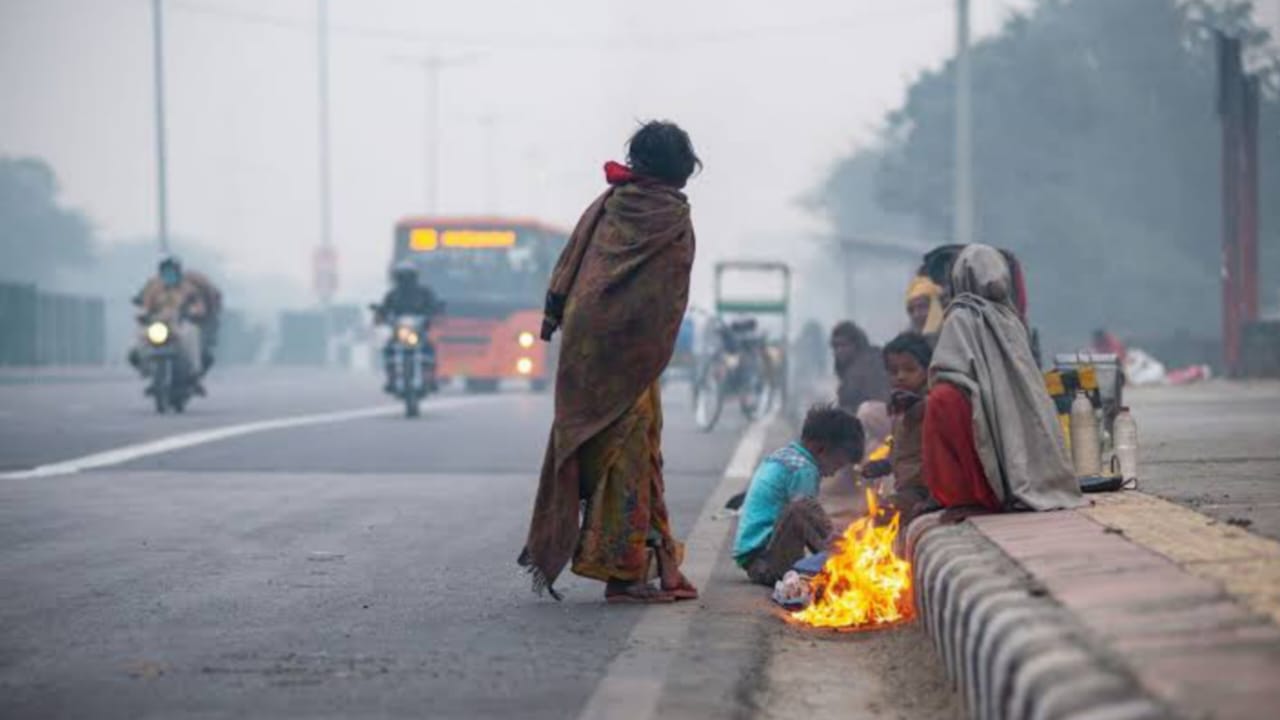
781	517
906	359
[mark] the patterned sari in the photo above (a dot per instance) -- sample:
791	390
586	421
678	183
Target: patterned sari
625	513
618	293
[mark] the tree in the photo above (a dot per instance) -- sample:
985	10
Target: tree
38	236
1096	160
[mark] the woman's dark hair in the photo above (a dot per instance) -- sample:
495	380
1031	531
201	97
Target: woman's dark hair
663	151
911	343
833	427
849	331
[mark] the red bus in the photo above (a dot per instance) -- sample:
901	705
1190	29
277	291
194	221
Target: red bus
492	272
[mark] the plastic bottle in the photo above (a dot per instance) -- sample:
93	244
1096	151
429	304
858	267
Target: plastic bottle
1126	444
1086	453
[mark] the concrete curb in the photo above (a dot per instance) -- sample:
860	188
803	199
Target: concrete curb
1010	649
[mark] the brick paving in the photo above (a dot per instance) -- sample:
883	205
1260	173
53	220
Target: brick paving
1145	579
1247	565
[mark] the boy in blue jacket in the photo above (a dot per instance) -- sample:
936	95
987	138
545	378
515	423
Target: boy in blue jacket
781	517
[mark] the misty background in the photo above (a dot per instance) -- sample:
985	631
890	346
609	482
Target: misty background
1096	143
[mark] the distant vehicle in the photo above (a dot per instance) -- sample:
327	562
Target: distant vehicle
493	272
738	366
683	363
413	358
165	360
741	361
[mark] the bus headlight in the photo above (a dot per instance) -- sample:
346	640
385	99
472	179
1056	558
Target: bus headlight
157	333
525	339
524	366
407	336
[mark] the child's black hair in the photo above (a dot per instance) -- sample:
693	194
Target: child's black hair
834	427
911	343
662	150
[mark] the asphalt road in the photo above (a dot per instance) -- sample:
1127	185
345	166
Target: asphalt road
361	568
55	416
1215	448
365	568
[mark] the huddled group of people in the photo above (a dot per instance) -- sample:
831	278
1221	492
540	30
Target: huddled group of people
958	399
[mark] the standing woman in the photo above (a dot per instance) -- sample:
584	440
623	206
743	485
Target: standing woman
991	435
618	293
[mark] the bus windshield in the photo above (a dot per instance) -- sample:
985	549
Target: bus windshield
504	266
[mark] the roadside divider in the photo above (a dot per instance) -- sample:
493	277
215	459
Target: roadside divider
1090	612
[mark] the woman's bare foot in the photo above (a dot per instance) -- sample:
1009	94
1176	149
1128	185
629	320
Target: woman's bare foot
674	581
622	592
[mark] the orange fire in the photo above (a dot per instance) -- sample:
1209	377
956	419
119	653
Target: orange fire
863	583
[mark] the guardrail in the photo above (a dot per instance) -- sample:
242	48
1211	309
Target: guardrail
43	328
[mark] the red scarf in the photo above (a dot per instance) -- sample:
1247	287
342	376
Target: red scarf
615	173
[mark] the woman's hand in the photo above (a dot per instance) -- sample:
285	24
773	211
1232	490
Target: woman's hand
549	328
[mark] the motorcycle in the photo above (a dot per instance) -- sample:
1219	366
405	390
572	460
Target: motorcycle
412	360
738	365
166	363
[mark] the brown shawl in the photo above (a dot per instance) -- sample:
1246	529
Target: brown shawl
621	284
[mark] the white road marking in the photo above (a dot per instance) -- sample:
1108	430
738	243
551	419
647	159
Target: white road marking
632	686
181	441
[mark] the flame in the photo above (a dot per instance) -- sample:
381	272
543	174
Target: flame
863	582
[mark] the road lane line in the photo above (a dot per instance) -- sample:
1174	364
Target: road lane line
632	685
181	441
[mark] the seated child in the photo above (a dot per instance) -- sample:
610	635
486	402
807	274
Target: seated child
906	359
781	516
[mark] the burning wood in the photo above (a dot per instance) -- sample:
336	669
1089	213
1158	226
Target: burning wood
863	583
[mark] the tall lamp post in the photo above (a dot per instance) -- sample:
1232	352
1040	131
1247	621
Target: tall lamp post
325	261
962	213
162	193
489	124
432	65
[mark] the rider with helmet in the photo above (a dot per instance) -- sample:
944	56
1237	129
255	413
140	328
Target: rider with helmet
407	296
189	295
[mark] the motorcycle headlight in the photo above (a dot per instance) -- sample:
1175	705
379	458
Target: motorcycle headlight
157	333
731	361
525	339
407	336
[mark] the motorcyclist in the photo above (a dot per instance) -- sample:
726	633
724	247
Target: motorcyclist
184	294
407	296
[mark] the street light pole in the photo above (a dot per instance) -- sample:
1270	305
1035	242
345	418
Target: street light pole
488	126
846	253
162	194
432	65
432	142
322	94
325	261
962	213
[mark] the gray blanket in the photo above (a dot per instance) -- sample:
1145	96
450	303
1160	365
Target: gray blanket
984	350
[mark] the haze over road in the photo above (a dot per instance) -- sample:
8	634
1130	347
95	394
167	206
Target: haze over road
362	567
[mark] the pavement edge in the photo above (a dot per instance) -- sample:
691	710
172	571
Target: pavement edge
637	676
1008	647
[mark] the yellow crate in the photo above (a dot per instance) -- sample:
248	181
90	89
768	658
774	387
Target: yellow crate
1053	383
1088	378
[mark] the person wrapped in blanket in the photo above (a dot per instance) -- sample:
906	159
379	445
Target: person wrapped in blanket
781	517
906	360
991	440
617	295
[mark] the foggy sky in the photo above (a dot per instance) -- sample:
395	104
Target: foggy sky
772	95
